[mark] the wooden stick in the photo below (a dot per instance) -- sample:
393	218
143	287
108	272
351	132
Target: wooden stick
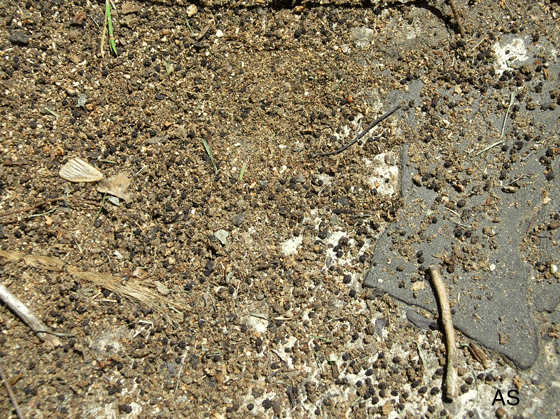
5	214
43	332
10	393
451	374
457	17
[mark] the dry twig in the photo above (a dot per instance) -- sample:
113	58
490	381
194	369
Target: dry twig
48	201
11	393
451	374
457	17
24	313
5	214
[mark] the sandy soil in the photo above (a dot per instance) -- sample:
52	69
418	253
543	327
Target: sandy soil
232	290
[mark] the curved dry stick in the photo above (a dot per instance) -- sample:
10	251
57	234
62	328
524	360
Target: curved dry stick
364	132
11	393
451	375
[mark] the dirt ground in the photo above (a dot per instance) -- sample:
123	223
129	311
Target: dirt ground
229	282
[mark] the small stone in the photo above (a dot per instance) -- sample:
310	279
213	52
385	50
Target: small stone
238	219
390	160
192	10
222	236
418	286
162	289
379	325
333	357
387	408
554	224
501	413
19	38
363	36
78	19
419	320
417	179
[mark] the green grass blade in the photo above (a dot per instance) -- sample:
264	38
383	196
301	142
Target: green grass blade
110	25
207	148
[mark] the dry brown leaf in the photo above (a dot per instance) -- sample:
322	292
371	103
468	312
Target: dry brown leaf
478	354
116	185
